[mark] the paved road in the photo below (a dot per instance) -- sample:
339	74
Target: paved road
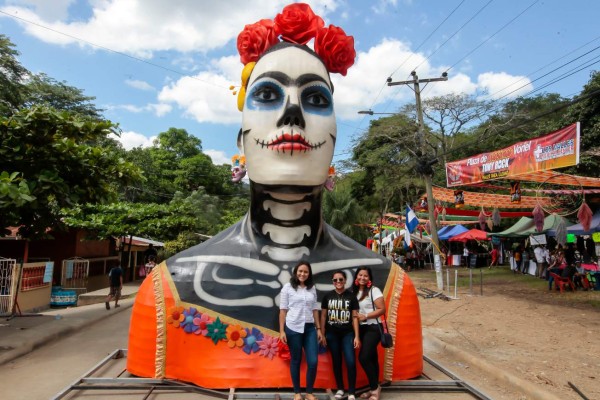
47	370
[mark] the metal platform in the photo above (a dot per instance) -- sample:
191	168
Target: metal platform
109	379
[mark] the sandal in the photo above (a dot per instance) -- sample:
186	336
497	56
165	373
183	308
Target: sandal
365	395
297	396
375	393
309	396
339	394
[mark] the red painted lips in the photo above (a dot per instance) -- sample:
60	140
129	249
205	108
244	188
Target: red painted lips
289	141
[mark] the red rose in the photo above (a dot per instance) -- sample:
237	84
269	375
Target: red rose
335	48
255	39
297	23
284	351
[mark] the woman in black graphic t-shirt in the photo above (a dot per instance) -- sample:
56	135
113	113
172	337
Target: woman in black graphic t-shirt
339	318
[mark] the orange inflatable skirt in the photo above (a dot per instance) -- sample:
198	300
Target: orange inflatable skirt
176	340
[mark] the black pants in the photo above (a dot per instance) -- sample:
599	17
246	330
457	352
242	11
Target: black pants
370	338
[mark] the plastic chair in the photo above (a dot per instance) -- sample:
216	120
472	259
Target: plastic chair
561	282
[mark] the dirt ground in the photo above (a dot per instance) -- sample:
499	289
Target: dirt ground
517	325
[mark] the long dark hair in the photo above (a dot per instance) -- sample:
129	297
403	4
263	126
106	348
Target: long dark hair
294	279
355	286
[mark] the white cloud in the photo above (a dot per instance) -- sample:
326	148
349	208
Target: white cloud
137	84
206	97
365	85
501	84
159	110
131	139
218	157
141	27
54	10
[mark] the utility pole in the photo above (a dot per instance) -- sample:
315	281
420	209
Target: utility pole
426	171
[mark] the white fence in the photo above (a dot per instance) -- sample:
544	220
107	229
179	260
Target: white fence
8	284
75	272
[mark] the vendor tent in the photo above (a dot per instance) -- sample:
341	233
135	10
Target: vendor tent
516	230
577	229
526	227
451	231
551	222
473	234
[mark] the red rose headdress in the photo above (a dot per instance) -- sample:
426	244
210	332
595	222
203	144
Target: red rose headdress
297	23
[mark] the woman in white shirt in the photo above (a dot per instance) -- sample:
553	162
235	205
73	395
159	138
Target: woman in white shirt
371	307
298	326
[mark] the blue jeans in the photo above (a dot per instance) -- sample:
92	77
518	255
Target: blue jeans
342	343
296	342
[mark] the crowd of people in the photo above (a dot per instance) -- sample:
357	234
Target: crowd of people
565	262
346	319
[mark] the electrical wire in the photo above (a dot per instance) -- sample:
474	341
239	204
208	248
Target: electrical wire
454	34
113	51
428	37
559	107
494	34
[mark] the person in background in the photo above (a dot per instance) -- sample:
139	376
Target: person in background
466	255
494	257
150	265
339	319
115	277
371	307
556	266
150	252
517	256
540	260
298	326
525	256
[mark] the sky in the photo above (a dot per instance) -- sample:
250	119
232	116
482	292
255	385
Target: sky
156	64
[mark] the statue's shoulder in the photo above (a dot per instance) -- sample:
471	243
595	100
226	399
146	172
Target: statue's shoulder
228	241
338	242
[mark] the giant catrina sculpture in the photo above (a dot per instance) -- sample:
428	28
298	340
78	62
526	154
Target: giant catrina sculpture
209	315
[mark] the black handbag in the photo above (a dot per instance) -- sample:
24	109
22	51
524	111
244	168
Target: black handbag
387	340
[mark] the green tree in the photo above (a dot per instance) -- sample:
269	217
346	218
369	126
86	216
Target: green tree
587	112
12	74
342	211
383	162
176	163
53	152
42	89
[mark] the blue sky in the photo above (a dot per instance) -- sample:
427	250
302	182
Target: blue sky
156	64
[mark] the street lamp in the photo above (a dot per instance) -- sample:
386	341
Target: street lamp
371	112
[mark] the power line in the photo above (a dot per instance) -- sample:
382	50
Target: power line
428	37
494	34
454	34
544	66
559	107
113	51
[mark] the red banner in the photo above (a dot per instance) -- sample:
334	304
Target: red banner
556	150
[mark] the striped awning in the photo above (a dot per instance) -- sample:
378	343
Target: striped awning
488	200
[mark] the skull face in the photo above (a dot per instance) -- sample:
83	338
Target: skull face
288	126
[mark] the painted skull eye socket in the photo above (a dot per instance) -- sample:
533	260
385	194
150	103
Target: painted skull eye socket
317	99
266	94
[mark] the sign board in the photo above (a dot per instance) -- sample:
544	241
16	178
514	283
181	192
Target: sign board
556	150
472	260
537	240
48	272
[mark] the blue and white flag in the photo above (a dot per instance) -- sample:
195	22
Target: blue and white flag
411	220
407	241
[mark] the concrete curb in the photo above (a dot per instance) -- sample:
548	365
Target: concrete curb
52	331
529	389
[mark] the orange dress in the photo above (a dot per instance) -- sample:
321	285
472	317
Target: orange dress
172	339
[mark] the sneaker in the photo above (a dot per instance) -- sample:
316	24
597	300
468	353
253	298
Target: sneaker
107	305
339	394
351	397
